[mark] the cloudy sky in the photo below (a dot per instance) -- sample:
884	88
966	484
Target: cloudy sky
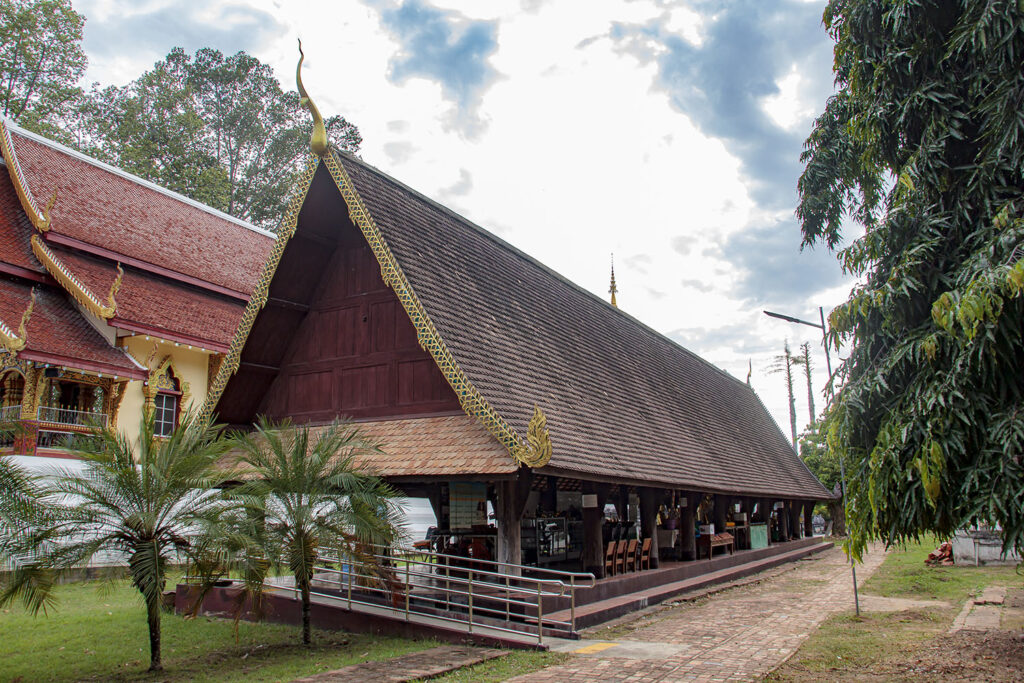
666	132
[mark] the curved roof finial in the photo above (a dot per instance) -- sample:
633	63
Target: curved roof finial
613	290
318	140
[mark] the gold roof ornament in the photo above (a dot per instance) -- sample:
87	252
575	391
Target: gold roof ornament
75	287
16	342
536	452
318	140
613	290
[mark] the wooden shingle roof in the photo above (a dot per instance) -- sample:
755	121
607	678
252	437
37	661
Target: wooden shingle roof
622	401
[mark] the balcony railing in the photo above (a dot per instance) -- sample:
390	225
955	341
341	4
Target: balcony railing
10	414
81	418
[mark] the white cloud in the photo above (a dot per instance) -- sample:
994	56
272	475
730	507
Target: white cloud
583	154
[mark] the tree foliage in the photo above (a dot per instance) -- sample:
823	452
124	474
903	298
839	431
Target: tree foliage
216	128
305	493
923	147
141	501
41	61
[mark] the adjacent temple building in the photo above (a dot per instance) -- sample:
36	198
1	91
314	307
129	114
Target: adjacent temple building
492	382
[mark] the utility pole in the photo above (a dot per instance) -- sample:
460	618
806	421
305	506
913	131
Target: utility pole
831	396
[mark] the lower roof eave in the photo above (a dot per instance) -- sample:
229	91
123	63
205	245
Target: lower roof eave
418	478
87	366
178	338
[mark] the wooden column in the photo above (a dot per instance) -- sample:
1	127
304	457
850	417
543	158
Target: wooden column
808	518
512	495
784	521
622	502
720	512
593	529
794	520
687	520
649	499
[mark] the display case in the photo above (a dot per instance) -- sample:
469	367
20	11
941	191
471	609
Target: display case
545	541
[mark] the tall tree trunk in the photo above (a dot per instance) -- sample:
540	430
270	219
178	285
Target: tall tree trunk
792	400
306	635
807	372
153	616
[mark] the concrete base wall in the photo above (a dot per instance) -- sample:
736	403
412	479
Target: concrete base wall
981	547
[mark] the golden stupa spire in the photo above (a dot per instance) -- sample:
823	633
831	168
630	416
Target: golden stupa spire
318	140
613	290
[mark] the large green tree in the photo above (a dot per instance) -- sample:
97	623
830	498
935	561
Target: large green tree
923	148
217	128
41	62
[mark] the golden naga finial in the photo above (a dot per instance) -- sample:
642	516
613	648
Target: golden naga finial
537	450
16	342
613	290
115	287
318	140
44	225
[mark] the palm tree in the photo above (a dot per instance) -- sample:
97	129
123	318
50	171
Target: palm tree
305	492
139	501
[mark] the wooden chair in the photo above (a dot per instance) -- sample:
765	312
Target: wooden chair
609	559
644	559
631	555
620	556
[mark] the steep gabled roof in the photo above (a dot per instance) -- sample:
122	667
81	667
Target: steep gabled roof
57	333
622	402
103	210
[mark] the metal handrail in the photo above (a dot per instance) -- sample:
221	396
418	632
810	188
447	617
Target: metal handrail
440	586
572	576
10	413
65	416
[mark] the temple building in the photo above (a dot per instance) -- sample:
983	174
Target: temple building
544	424
494	383
114	294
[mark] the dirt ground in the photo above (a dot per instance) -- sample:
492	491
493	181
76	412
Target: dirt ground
960	656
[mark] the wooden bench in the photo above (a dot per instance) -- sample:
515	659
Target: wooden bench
708	543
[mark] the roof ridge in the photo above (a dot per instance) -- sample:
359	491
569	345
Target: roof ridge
548	269
135	179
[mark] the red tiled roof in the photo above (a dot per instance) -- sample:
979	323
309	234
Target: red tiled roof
159	305
59	334
15	228
111	210
621	400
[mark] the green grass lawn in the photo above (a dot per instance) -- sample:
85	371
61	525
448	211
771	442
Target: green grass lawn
875	645
101	635
905	575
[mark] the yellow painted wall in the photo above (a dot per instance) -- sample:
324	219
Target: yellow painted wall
190	367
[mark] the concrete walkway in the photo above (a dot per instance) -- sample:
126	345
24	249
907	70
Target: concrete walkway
738	635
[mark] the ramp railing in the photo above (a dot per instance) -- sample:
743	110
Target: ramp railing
479	594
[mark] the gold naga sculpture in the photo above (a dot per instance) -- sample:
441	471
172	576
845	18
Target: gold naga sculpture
318	140
15	341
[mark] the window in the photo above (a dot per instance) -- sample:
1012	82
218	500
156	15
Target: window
165	416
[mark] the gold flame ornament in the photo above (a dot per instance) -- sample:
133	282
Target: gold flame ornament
537	450
318	140
14	342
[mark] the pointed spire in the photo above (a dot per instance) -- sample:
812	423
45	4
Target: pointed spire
750	370
613	290
318	140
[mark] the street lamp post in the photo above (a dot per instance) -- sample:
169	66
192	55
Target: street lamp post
842	466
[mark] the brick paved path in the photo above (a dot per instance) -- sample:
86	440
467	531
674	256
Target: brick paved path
738	635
